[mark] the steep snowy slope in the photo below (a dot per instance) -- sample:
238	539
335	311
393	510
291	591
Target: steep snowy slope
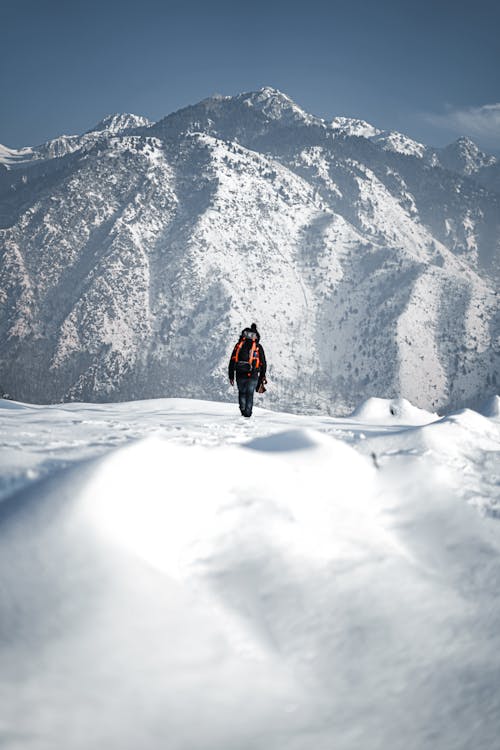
130	263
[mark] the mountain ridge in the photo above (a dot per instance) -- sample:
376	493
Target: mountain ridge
130	259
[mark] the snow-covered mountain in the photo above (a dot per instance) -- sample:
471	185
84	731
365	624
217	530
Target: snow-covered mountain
134	254
67	144
464	156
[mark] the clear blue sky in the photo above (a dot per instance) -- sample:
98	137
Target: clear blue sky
429	69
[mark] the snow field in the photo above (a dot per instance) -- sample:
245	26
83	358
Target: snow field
171	575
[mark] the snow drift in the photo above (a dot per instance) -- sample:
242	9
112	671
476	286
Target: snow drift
171	576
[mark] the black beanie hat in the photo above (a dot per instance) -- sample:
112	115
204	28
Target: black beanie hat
253	329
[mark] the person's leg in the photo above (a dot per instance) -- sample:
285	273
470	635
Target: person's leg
242	398
250	390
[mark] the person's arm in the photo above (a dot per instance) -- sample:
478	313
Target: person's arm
230	369
263	365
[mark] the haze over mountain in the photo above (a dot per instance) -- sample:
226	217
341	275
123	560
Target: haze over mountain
132	256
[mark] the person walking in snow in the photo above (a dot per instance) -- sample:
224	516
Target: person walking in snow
248	362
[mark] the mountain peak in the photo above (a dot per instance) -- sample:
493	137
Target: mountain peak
464	144
276	105
118	122
257	99
466	141
239	116
465	156
269	92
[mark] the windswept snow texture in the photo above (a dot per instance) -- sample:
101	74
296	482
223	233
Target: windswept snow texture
172	576
131	256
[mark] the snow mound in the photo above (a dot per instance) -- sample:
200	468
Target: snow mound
392	411
6	403
491	407
470	419
148	579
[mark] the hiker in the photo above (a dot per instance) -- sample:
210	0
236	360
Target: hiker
248	361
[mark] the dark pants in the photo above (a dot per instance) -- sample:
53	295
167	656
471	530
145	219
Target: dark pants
246	389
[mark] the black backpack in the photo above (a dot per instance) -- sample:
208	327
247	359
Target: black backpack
247	357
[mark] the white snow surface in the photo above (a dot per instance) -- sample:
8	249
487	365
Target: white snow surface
174	576
10	156
352	126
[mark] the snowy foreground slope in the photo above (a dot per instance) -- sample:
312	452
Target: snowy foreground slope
132	255
174	577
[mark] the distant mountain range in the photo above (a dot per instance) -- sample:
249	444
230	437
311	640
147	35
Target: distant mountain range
132	256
